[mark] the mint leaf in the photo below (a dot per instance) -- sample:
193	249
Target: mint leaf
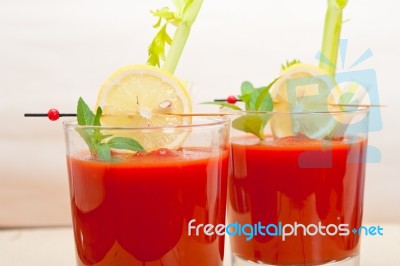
94	138
264	100
255	99
249	95
251	123
258	100
246	88
103	152
84	115
96	120
125	144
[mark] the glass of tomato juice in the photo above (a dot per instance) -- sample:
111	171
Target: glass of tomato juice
135	208
296	194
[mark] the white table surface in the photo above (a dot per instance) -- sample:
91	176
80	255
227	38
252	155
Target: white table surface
55	247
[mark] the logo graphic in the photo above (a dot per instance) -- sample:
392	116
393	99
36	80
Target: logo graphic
249	231
349	91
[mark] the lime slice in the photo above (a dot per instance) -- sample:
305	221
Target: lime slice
141	96
303	89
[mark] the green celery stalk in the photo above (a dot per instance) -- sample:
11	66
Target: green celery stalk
332	29
181	35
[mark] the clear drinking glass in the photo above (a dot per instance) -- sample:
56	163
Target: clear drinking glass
295	196
135	208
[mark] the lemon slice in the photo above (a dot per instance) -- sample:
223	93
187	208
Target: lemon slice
302	89
143	96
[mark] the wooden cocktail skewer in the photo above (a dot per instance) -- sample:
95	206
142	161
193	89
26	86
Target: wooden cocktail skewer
357	105
232	100
55	117
54	114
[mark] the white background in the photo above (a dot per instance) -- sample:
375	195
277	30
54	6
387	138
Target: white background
52	52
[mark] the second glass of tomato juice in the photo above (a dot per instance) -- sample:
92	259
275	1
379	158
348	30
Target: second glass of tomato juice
296	185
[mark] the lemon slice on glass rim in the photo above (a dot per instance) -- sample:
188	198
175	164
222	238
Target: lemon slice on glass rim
144	96
303	89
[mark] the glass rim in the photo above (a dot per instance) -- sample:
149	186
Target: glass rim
359	109
213	121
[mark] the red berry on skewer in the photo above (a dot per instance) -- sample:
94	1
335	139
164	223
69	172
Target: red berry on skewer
231	99
53	114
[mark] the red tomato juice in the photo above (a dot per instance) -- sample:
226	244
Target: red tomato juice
297	180
135	211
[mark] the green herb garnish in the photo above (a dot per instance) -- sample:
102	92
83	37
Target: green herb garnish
258	100
186	13
183	18
255	99
99	144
